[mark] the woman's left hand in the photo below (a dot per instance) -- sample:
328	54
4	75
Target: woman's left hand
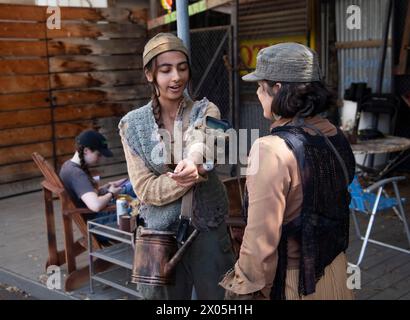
119	182
185	174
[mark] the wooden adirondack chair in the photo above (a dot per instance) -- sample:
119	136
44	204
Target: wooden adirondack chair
52	184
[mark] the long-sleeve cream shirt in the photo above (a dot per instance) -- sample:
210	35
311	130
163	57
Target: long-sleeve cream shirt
161	190
275	198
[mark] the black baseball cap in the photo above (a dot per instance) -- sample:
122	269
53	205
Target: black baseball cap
95	141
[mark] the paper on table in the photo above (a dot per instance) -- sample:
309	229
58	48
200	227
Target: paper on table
348	114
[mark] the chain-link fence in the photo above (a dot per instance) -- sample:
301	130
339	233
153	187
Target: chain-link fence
210	56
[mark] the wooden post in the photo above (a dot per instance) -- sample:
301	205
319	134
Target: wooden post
51	229
69	243
405	45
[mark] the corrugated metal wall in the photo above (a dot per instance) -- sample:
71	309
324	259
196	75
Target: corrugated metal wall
361	64
260	19
266	19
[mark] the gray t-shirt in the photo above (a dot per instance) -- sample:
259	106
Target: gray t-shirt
76	182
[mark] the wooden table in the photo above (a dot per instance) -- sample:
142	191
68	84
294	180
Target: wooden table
383	145
388	144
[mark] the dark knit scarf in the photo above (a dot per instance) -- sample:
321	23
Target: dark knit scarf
322	228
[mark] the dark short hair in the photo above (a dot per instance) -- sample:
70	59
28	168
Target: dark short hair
306	99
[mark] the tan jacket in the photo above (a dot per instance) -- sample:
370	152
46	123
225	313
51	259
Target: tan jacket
161	190
275	198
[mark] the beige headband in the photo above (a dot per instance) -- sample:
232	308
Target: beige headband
161	43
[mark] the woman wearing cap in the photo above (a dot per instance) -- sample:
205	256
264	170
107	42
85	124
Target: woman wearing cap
77	179
169	131
298	202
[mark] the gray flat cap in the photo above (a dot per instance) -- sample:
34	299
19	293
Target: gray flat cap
287	62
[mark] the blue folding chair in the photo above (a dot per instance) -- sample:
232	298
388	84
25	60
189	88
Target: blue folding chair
370	203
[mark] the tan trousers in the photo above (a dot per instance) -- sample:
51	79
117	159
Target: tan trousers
332	286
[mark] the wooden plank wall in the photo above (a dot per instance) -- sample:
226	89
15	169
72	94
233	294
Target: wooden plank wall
56	83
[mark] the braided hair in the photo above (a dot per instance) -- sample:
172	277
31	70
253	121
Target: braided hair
156	106
84	166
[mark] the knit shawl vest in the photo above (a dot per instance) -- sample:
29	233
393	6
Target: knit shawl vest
322	228
210	198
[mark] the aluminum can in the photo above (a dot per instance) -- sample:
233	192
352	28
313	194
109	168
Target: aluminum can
122	207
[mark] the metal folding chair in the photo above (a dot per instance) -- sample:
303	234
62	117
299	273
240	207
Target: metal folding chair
371	203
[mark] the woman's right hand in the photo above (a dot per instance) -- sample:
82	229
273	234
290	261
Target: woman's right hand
185	174
114	190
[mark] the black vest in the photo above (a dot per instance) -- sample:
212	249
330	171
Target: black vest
322	228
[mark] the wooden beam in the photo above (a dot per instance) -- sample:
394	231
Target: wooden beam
13	155
73	46
22	30
26	118
21	101
193	9
72	129
23	153
13	137
39	13
19	84
93	95
88	14
106	126
78	30
66	152
18	171
361	44
96	79
117	15
21	12
94	63
404	48
23	66
68	130
92	111
70	30
23	48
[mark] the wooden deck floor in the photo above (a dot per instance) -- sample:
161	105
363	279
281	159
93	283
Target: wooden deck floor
385	274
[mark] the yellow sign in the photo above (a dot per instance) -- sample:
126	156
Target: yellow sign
250	48
193	9
167	5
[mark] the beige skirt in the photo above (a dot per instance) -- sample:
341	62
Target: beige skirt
332	286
